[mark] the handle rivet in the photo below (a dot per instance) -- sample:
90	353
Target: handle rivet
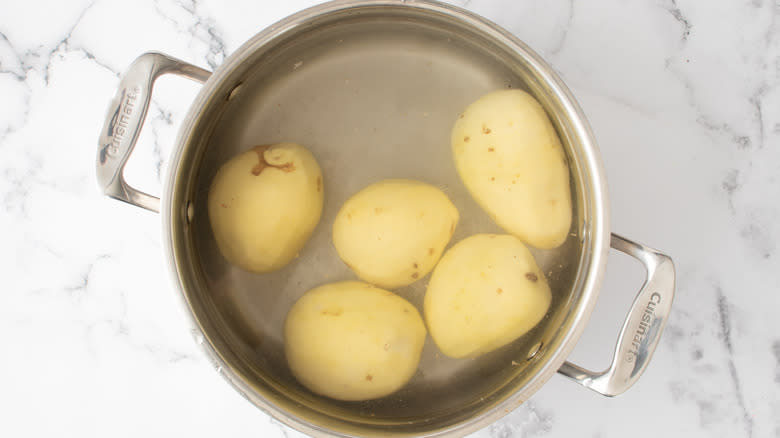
190	212
234	91
534	350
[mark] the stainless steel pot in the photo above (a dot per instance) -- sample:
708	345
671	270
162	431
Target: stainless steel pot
372	89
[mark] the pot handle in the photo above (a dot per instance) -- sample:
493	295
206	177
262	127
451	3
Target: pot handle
125	117
643	326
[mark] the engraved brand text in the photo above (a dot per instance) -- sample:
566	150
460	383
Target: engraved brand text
644	324
122	119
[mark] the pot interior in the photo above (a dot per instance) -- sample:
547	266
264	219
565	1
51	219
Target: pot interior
373	93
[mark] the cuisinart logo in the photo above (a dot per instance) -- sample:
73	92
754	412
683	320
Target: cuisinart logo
120	121
644	324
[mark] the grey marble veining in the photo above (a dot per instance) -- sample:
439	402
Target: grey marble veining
684	98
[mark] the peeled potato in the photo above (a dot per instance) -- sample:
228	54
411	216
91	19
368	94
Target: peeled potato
393	232
264	205
353	341
485	292
511	160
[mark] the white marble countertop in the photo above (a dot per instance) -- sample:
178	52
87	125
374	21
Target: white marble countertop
683	96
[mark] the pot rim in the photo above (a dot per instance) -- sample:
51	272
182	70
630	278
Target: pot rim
599	217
